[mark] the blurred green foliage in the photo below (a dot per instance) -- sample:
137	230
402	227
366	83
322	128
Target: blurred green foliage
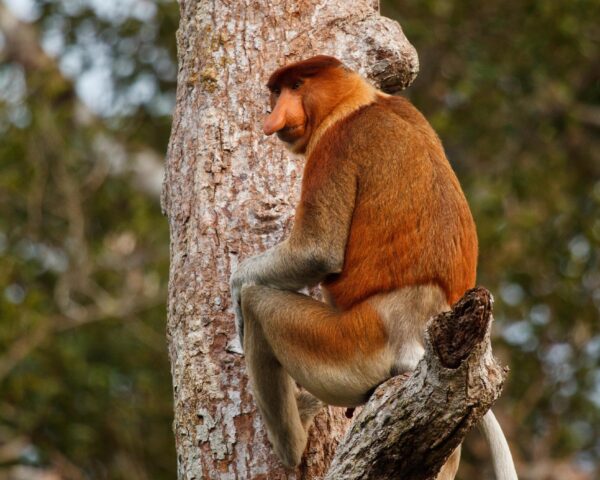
85	389
513	90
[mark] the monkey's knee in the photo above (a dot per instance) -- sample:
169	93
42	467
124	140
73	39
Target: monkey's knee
249	295
257	301
249	301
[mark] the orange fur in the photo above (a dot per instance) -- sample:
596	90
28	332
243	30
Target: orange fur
348	334
411	223
382	223
374	160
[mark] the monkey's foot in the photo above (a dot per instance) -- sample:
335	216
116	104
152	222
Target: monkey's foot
308	407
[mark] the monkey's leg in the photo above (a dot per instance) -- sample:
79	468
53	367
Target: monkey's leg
274	391
337	356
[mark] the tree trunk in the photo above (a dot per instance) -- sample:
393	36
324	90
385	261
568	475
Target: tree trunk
229	193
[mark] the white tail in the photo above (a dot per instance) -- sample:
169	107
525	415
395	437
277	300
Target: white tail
504	468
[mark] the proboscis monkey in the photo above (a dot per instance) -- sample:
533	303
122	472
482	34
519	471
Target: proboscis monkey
382	225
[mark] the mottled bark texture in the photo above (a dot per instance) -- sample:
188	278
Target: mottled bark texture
410	426
229	193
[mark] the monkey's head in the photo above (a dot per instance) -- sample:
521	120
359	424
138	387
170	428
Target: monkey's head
302	95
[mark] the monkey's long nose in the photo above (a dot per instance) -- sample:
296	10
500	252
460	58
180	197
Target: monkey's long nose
275	121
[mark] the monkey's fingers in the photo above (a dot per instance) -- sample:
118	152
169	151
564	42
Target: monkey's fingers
236	301
239	324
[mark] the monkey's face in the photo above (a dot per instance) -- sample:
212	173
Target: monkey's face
288	117
302	95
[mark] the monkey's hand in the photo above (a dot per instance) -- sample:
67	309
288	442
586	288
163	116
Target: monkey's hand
236	303
279	267
244	275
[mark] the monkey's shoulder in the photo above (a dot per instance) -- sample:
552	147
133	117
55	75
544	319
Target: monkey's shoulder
386	127
388	119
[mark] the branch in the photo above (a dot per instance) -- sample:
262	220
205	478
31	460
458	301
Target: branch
411	426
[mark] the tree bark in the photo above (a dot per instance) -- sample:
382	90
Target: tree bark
229	193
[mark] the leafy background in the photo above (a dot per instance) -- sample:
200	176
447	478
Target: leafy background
86	91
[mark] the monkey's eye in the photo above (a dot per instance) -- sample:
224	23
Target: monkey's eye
297	85
276	90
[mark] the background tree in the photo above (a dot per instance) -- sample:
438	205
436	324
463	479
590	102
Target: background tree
511	89
85	97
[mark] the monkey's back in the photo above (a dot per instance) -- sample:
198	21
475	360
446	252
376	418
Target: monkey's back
411	223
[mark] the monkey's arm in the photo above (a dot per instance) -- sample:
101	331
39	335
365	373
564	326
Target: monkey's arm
318	239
